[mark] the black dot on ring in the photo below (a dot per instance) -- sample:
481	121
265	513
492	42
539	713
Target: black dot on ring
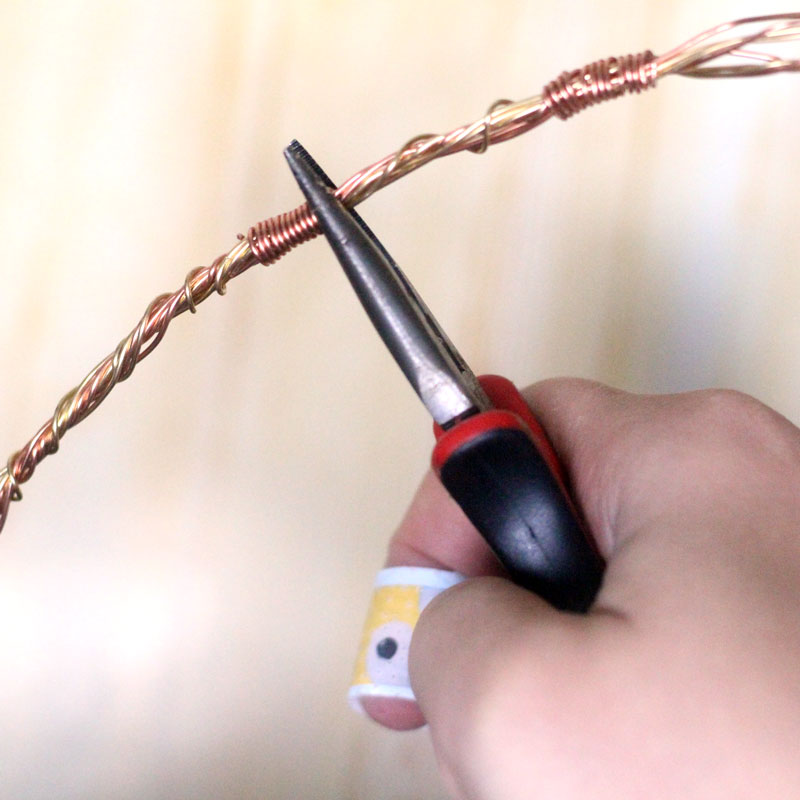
386	648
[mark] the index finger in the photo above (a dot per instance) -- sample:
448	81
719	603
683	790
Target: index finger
436	533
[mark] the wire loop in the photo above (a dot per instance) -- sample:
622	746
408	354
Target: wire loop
187	292
7	476
487	124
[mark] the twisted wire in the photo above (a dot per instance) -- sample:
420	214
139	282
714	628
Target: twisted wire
720	52
81	401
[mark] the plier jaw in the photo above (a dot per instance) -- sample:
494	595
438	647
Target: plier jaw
446	385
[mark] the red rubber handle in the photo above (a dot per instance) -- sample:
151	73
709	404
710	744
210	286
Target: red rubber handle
505	396
502	470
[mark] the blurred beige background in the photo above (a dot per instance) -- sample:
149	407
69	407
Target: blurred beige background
181	590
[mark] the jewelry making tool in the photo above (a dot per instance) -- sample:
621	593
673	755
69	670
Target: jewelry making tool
491	453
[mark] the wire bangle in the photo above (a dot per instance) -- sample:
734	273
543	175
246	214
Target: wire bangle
725	51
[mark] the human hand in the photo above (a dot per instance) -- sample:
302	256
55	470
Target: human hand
682	680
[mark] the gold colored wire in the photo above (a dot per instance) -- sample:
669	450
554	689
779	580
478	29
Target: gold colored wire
730	50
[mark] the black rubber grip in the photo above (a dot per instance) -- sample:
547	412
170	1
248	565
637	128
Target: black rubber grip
507	490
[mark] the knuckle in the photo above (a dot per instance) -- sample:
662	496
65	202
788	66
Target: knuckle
748	424
730	405
708	451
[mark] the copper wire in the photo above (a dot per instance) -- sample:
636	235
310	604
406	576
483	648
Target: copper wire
721	52
602	80
274	237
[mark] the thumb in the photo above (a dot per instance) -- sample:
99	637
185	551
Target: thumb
477	651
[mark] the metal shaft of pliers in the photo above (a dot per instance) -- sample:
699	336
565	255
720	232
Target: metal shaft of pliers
440	376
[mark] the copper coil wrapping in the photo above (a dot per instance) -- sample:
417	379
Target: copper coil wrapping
601	80
272	238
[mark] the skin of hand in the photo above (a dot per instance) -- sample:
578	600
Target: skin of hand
683	680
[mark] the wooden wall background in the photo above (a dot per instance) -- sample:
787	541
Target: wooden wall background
181	590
